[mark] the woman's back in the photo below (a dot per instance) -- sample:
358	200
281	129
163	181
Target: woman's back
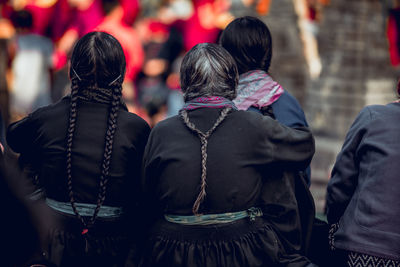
41	139
86	151
205	171
238	155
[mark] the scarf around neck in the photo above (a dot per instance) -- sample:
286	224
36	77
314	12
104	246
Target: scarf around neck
209	102
256	88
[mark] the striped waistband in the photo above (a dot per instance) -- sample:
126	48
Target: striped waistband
84	209
215	218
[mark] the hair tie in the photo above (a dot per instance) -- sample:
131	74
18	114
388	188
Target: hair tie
79	78
114	80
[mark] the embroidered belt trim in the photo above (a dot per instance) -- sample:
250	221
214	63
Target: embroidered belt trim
84	209
219	218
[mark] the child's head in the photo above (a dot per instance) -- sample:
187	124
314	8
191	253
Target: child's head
249	41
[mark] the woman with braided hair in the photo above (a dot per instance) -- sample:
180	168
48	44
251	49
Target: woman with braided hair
204	172
86	151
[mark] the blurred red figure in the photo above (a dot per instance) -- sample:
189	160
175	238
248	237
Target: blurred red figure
131	10
79	17
75	18
42	12
201	26
114	24
393	35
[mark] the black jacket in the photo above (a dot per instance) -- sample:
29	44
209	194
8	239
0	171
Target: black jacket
40	138
242	152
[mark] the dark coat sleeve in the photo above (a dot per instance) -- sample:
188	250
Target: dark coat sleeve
346	169
20	134
287	111
285	198
133	185
148	183
291	148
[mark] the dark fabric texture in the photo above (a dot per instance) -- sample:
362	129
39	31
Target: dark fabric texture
107	243
288	111
40	139
242	154
240	243
319	251
291	202
19	232
362	194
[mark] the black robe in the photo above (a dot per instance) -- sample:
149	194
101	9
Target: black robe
40	139
242	152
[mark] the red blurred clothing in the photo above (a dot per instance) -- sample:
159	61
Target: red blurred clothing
200	27
61	19
128	39
393	36
131	10
75	21
312	13
42	15
86	20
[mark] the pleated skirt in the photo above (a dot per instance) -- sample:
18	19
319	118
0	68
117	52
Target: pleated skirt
240	243
106	244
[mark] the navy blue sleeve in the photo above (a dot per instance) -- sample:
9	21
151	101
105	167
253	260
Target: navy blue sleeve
288	111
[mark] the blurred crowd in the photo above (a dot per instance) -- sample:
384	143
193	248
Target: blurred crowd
37	36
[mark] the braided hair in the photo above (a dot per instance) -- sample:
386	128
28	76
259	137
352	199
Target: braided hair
204	142
207	70
97	62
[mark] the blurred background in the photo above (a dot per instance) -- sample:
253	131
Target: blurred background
334	56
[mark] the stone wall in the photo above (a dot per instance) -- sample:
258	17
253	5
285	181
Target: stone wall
288	65
356	71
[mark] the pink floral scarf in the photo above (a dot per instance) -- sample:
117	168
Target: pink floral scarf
256	88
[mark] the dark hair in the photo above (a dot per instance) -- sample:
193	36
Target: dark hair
97	62
249	41
22	19
208	70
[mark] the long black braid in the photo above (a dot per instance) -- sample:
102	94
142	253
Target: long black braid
70	135
112	126
93	75
204	142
